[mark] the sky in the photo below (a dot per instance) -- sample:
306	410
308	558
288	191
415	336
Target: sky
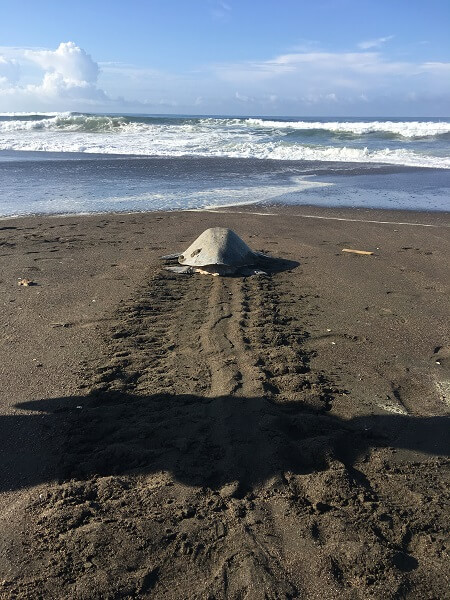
247	57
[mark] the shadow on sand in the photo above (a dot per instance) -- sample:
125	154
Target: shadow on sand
202	441
269	265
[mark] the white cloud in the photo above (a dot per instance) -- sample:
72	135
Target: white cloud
374	43
68	60
329	82
440	68
317	65
68	82
127	70
9	71
67	78
325	72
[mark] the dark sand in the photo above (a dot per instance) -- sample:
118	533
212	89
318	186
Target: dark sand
195	437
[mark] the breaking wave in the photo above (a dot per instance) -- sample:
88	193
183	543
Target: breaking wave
408	129
65	122
104	123
401	142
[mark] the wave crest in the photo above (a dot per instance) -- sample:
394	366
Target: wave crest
67	122
129	124
205	146
232	137
408	129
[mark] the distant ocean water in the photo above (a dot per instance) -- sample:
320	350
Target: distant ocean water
73	162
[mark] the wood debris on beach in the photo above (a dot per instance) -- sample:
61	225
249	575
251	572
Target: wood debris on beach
350	250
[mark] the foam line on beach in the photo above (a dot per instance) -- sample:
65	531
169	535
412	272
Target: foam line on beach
244	212
182	199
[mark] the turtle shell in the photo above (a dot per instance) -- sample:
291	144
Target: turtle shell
218	246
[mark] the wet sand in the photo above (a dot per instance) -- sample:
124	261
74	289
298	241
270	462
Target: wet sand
283	436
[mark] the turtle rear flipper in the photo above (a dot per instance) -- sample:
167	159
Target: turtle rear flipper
180	269
170	256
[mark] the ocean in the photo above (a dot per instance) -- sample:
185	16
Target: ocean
56	163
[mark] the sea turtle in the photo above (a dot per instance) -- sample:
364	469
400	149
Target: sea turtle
218	251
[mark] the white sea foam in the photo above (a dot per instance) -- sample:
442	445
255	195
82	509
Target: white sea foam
408	129
120	124
237	138
181	199
69	122
181	143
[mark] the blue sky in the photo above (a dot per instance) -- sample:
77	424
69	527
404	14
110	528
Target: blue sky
321	58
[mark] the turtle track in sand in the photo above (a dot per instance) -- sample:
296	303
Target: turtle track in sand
205	464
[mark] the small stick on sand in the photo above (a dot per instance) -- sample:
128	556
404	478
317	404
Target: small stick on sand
356	251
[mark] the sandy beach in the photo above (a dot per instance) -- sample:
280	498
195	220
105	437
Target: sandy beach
279	436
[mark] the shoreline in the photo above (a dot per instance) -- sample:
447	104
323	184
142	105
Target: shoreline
301	411
154	184
344	213
343	166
